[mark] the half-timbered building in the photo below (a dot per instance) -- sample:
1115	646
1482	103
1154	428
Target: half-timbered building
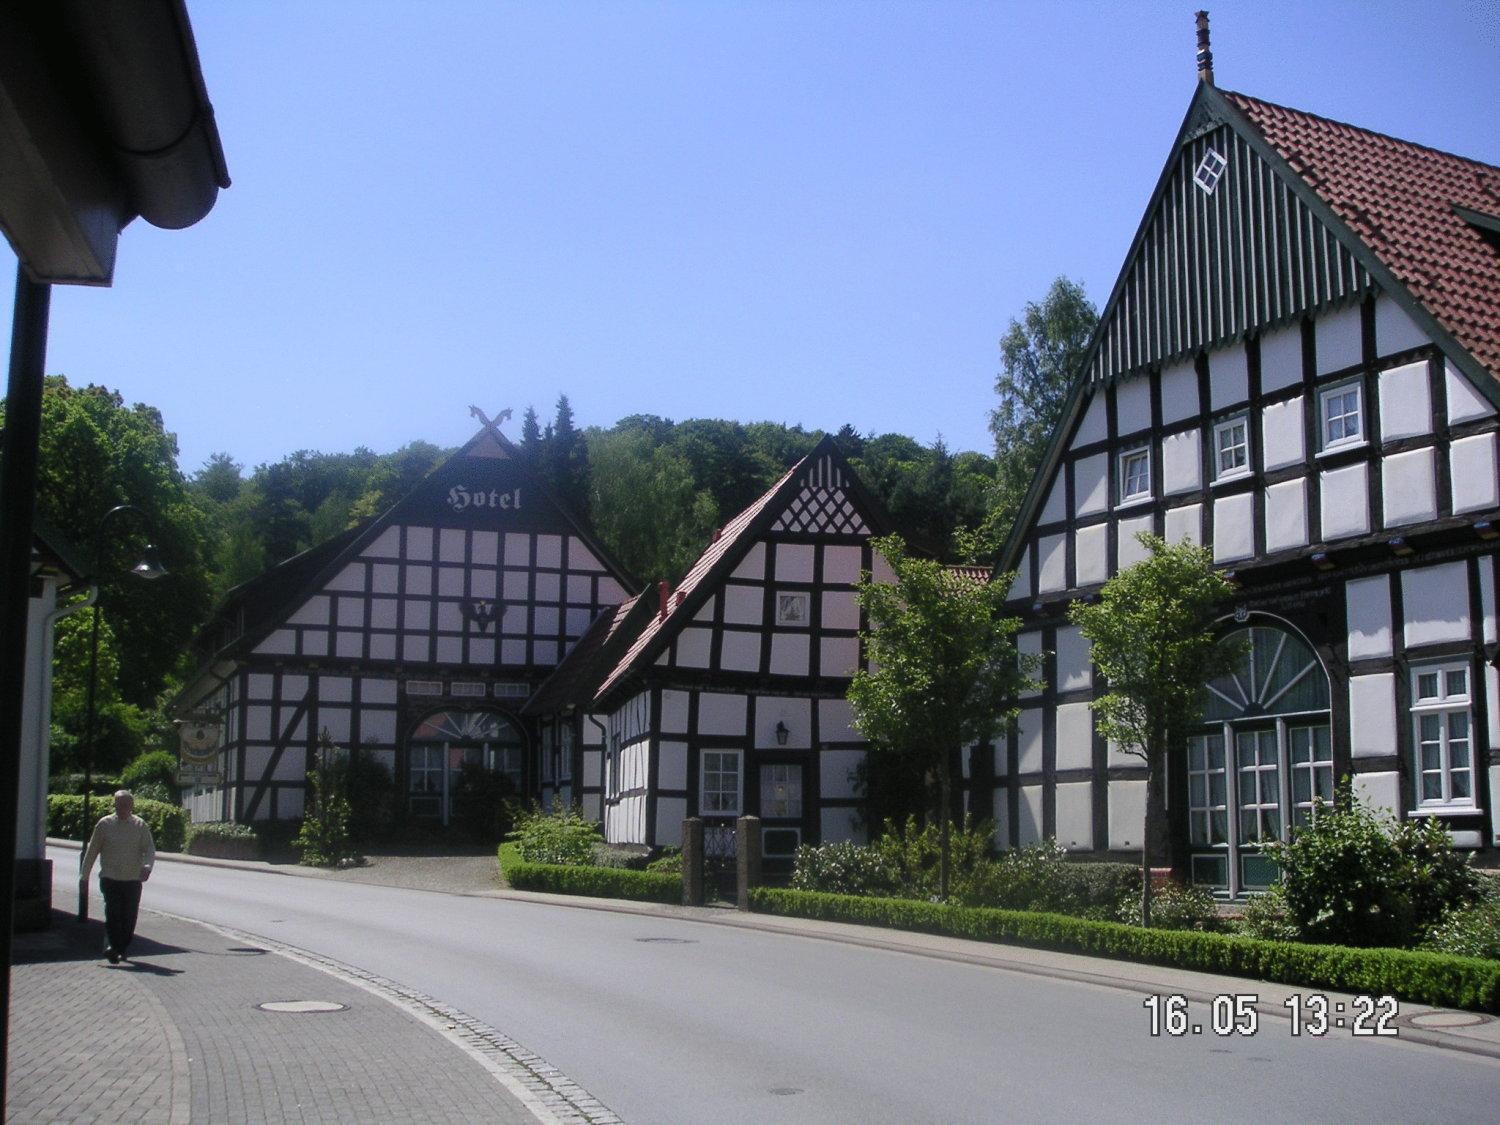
1297	367
726	696
413	640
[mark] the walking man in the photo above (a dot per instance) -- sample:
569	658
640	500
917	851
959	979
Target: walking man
127	853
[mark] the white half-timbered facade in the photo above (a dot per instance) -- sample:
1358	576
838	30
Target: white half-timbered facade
1297	368
413	641
726	697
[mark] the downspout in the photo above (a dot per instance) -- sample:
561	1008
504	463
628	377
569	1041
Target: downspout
44	710
603	768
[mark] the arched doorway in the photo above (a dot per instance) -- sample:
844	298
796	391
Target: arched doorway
443	743
1263	752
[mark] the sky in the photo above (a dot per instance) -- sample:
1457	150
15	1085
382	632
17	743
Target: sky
813	213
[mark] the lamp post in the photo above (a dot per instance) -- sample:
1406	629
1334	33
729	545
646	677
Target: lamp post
148	568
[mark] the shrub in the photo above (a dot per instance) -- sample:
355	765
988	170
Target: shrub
1472	930
1265	916
621	857
323	839
600	882
223	839
560	837
1174	907
913	853
1041	877
668	863
843	869
168	823
1355	877
1428	978
156	769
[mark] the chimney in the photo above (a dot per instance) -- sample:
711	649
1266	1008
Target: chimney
718	531
1205	53
678	599
663	595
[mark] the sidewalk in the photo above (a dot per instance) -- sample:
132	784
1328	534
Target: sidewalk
175	1035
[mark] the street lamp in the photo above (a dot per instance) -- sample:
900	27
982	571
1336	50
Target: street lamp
148	568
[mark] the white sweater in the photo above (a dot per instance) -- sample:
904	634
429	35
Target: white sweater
124	846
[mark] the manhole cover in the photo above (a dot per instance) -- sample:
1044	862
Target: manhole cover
666	941
302	1006
1448	1019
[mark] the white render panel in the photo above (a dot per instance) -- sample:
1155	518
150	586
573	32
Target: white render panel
836	721
1405	401
1129	550
1075	815
1185	522
838	656
721	713
1283	439
283	642
839	826
1280	359
1029	740
794	562
836	771
1487	596
1030	644
549	550
1372	715
1465	403
740	652
1346	502
1002	819
1338	339
486	548
1286	515
692	648
1228	377
1132	406
1029	818
1095	426
1408	487
350	579
1380	792
1020	585
1075	736
1435	600
753	565
1395	331
517	549
840	610
1055	510
1182	462
674	712
1091	561
1179	393
671	766
743	605
419	543
1472	464
1052	553
451	545
1091	485
841	564
1234	527
1074	659
378	727
670	813
387	545
377	691
314	611
793	713
1367	603
789	654
1127	814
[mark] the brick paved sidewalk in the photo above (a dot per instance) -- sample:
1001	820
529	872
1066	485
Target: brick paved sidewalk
176	1036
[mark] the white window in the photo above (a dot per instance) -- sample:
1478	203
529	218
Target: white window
1340	411
1443	741
719	784
1209	169
781	791
1232	448
1135	474
791	608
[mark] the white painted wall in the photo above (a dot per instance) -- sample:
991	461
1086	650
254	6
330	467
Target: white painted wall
1338	339
1281	358
1075	736
1182	462
1283	437
1127	813
1129	551
1185	522
1228	377
1132	406
1408	488
1405	401
1029	815
1372	715
1179	393
1471	462
1052	572
1092	562
1367	604
1091	485
1345	502
1435	601
1286	515
1095	425
1395	331
1029	740
1075	815
1464	402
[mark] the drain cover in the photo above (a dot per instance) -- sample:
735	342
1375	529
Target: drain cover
301	1006
1448	1019
666	940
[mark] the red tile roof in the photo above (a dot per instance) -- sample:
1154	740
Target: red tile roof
979	575
1398	197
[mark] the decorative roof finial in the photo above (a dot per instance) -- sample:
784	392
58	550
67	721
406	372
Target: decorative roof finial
1205	53
492	427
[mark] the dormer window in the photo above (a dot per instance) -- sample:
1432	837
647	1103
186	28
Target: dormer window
1135	474
1340	410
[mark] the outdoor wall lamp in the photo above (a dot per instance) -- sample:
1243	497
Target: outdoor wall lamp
1486	529
782	734
1322	560
1399	546
149	567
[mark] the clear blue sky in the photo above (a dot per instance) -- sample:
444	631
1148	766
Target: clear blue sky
811	213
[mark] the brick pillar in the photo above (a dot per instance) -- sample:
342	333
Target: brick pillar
747	847
692	861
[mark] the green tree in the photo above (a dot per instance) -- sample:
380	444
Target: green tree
645	505
1040	356
568	453
1153	639
943	670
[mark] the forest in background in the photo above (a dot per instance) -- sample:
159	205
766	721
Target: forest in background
653	490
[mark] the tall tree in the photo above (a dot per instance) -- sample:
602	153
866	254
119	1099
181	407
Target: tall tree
1154	643
645	505
943	672
569	456
531	432
1040	356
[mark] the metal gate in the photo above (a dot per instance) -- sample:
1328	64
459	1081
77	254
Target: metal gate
720	863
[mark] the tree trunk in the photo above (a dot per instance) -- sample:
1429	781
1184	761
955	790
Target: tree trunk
1154	828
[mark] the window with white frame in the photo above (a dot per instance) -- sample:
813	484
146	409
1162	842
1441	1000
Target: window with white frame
719	783
1340	410
1135	473
1441	718
1232	448
781	790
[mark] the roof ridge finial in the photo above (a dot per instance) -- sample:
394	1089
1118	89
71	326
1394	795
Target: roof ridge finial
1205	52
487	425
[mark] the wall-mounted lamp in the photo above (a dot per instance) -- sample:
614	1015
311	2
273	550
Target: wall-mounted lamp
1401	547
1486	529
1036	607
1322	560
782	734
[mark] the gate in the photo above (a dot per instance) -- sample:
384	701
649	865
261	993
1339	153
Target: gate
720	863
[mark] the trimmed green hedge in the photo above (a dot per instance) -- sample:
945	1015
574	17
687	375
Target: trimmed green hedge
221	839
168	823
600	882
1426	978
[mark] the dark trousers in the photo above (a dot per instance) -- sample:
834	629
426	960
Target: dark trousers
122	902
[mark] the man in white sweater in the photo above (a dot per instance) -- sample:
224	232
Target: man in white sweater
127	853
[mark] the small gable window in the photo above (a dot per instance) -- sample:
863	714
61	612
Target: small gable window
1341	414
1135	474
1232	448
1210	171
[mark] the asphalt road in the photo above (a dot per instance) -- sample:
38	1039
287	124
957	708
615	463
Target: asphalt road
676	1021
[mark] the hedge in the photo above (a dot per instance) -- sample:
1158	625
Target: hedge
221	839
1439	979
600	882
168	823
